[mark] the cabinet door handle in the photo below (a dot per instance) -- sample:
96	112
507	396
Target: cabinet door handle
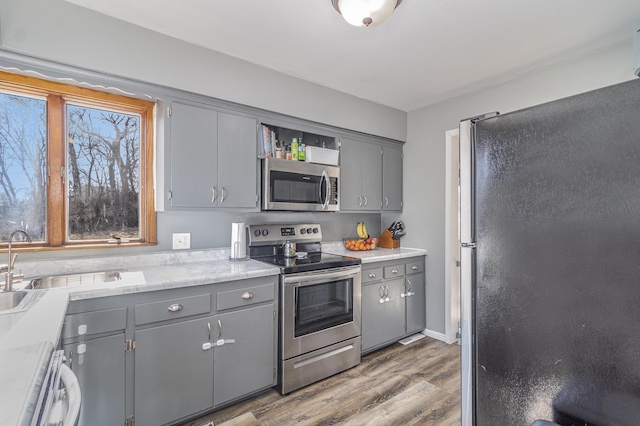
414	267
386	201
209	328
247	295
381	293
220	329
372	275
359	200
214	194
365	200
222	194
71	360
176	307
386	293
394	271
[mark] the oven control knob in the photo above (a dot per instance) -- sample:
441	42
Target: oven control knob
256	232
302	231
309	230
265	232
315	230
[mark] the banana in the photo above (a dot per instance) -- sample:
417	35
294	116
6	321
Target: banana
362	230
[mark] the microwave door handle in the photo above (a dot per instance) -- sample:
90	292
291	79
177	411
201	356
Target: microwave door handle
325	178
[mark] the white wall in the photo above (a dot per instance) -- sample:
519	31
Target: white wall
63	32
424	153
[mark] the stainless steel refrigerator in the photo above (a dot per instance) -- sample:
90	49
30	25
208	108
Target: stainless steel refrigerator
550	231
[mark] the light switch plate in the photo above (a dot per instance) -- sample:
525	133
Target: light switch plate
181	241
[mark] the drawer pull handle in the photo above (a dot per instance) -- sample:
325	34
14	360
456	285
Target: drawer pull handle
247	295
415	267
175	307
372	275
394	271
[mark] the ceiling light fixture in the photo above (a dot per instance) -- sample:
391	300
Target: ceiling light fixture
366	13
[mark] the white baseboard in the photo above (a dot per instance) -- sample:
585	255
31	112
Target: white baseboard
434	335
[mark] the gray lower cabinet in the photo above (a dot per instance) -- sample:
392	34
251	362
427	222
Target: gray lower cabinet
93	343
393	301
247	364
213	158
383	313
173	372
101	374
161	357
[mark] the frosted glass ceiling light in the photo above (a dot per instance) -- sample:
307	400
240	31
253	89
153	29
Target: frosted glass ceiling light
365	12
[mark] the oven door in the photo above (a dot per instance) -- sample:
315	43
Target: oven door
299	186
319	308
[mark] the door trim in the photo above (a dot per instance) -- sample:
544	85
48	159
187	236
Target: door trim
452	243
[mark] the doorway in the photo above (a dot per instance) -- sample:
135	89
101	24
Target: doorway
452	238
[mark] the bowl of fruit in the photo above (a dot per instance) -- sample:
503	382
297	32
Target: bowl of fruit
362	242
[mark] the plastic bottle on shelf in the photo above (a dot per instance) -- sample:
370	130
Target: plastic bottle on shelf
302	152
294	149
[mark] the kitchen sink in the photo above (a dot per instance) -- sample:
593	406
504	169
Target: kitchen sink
74	280
10	299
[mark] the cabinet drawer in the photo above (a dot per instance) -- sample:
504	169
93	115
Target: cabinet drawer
244	296
172	308
371	275
394	271
414	267
96	322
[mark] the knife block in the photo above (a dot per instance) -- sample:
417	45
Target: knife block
386	240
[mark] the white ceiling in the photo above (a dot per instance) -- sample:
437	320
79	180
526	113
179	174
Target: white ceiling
427	51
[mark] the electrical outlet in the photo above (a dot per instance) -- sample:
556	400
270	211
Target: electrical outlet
181	241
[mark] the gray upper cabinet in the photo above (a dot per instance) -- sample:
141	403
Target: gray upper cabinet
213	158
360	175
237	161
392	178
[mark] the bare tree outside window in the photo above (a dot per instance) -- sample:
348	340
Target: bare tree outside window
23	153
103	159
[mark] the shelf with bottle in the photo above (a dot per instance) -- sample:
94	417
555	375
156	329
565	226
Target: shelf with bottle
296	145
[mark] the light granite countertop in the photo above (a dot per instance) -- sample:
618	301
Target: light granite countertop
377	255
30	332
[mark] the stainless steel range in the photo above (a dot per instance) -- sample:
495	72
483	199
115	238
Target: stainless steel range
320	301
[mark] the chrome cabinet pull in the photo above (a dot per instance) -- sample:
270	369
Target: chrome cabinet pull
71	360
176	307
372	275
381	293
394	271
222	194
209	327
359	200
386	201
415	267
220	329
247	295
386	293
365	200
408	288
214	194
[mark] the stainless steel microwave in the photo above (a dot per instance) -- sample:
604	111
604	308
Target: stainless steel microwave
299	186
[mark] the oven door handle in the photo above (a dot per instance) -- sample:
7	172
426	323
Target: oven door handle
73	394
323	277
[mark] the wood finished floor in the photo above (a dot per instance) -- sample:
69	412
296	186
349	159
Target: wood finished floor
415	384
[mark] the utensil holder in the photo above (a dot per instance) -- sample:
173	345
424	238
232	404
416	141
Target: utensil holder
386	240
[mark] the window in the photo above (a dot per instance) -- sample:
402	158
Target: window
75	165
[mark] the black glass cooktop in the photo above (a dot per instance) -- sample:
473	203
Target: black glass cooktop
311	262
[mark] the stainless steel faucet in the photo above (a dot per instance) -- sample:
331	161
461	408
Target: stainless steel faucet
8	268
